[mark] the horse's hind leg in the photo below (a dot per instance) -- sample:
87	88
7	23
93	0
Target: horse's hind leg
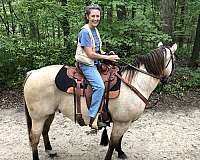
36	130
45	135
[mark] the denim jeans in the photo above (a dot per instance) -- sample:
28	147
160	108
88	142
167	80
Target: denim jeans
93	76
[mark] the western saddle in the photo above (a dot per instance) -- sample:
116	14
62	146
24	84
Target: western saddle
83	88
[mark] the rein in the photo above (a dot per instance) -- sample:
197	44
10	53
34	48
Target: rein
171	59
133	89
142	71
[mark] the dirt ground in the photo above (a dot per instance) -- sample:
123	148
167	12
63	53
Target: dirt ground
168	131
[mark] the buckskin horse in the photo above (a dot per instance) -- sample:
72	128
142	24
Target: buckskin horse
43	98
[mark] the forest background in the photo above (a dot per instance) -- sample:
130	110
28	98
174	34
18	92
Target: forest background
37	33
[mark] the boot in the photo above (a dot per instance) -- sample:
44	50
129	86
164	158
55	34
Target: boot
91	121
96	123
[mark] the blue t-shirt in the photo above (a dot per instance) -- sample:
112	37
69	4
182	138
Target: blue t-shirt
85	41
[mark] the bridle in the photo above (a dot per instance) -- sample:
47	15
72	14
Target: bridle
162	77
171	59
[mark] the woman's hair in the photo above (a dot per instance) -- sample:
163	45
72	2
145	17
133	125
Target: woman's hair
88	11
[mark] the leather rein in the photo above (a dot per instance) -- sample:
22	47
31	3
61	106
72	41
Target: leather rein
162	78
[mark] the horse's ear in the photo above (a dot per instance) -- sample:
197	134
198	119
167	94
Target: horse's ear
160	44
174	47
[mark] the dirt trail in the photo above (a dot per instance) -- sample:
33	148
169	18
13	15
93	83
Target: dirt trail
169	131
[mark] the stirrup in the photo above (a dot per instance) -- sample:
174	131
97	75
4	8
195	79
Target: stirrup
96	124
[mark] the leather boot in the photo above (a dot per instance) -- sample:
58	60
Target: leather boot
99	126
91	121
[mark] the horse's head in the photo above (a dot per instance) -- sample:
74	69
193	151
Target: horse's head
158	63
169	58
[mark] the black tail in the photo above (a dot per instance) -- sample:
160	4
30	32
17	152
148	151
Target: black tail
28	119
104	138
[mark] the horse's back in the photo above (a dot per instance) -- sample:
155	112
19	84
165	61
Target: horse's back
43	77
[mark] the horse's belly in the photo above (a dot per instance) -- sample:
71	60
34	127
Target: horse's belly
66	106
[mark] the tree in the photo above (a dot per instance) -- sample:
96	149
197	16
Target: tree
65	24
182	21
196	48
167	11
121	12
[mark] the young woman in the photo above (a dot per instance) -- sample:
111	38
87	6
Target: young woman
88	54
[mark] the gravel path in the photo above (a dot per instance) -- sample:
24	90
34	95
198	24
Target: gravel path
169	131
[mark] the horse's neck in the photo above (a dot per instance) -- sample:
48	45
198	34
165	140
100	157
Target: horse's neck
144	83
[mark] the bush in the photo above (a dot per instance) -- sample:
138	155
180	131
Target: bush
184	79
20	55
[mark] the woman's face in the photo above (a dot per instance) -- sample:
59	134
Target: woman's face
94	18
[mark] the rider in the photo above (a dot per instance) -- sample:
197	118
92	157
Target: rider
88	54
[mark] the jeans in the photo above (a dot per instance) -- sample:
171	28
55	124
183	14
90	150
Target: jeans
93	76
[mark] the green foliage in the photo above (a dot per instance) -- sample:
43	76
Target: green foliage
132	37
21	55
190	78
37	41
185	79
32	36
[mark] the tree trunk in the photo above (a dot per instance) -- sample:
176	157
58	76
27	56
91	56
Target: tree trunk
13	26
5	18
121	12
133	12
153	12
33	26
59	34
196	48
167	11
65	24
32	12
182	17
53	33
110	16
144	6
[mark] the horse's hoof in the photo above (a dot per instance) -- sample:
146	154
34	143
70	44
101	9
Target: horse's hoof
51	153
91	132
122	156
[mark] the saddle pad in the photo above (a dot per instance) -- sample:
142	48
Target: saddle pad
62	80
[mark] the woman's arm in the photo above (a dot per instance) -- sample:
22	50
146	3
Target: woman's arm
93	55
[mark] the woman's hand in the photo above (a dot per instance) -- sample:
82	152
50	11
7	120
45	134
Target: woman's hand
113	57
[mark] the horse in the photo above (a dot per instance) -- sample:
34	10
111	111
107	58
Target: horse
43	98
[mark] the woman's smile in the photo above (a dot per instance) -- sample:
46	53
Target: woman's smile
94	18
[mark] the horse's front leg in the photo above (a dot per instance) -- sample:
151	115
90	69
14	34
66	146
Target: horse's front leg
45	135
118	130
118	148
110	150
